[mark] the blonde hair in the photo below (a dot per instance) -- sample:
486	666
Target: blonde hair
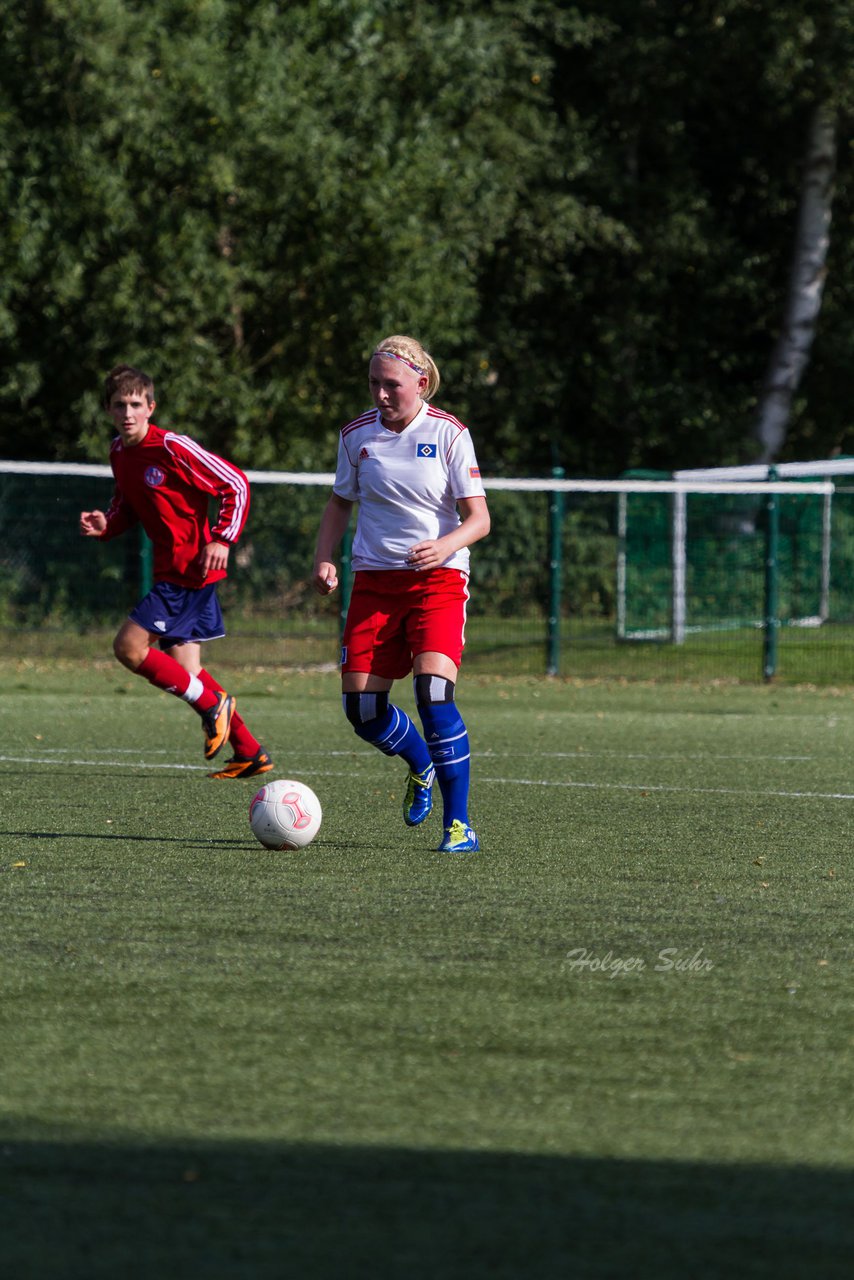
413	354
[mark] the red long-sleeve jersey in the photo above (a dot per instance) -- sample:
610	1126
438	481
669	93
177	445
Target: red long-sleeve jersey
165	483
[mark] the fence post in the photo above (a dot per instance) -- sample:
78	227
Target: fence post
622	531
678	562
826	546
555	574
772	570
146	563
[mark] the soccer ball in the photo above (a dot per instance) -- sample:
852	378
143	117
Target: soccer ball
285	815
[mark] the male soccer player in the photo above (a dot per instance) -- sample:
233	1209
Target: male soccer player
164	481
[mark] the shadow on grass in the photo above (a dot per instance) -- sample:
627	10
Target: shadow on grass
246	844
244	1211
124	838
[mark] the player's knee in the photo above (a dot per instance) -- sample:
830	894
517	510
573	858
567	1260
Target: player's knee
430	690
361	708
128	653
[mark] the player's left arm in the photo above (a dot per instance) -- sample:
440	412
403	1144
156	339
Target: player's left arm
226	482
474	525
233	494
214	556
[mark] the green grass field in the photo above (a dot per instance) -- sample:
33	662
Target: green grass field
615	1043
501	647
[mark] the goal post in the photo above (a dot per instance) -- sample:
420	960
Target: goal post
688	562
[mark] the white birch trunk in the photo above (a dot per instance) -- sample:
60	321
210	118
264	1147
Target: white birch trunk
806	284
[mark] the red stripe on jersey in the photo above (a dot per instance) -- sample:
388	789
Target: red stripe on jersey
362	421
449	418
215	474
433	412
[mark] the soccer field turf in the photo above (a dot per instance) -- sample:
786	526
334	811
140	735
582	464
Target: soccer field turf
615	1043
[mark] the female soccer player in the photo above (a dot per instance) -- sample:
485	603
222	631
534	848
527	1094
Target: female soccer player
164	482
413	471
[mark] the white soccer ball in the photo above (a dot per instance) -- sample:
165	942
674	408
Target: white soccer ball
285	814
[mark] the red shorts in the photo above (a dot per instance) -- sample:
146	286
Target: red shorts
395	614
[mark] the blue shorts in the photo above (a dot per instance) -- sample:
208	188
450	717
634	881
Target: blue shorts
178	615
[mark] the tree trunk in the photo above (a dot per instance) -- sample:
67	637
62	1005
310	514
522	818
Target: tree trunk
792	348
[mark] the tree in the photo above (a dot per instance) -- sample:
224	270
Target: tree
646	342
816	303
791	350
585	211
244	198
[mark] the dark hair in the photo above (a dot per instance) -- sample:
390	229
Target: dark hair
127	380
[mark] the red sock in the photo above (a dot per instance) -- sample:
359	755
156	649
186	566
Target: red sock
167	674
244	743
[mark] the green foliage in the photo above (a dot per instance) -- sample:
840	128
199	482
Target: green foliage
648	340
587	213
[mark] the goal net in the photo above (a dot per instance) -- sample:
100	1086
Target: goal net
702	556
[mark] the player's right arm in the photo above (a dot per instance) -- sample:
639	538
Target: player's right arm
333	522
92	523
118	518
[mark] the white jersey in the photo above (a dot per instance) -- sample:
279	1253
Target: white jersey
406	484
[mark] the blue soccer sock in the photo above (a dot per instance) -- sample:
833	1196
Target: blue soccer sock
448	741
387	728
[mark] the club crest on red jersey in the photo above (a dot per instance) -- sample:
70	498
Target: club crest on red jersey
154	476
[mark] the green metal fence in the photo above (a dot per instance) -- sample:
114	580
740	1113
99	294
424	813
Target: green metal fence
577	579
